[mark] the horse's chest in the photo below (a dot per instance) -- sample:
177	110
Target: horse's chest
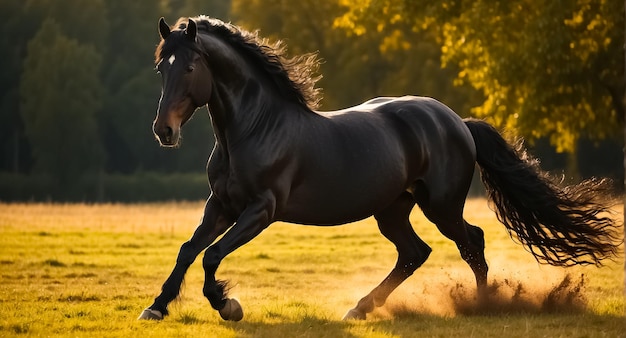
228	187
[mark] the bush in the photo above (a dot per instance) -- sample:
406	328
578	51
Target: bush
141	187
18	187
147	187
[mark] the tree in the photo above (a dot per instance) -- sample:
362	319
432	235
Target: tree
131	86
17	28
547	69
83	21
61	93
133	90
355	66
214	8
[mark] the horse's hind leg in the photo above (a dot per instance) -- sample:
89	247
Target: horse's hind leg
393	223
474	254
469	239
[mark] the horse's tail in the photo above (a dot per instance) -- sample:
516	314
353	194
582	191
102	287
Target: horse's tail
560	226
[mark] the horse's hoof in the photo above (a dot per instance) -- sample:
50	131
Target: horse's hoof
354	314
232	310
149	314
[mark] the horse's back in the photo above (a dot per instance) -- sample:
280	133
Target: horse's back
416	111
423	124
355	161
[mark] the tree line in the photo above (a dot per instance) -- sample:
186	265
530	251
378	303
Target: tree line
78	91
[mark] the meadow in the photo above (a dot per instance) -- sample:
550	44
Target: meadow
90	269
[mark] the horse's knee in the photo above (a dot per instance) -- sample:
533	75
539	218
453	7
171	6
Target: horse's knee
476	236
186	254
211	260
423	252
409	264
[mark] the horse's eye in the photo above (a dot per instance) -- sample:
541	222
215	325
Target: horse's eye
190	69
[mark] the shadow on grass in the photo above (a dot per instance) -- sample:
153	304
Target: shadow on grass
510	308
412	324
307	326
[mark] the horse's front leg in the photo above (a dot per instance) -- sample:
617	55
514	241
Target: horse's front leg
254	219
213	224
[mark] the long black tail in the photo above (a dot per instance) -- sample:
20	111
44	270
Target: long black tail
560	226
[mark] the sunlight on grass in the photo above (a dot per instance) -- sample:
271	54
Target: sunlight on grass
89	270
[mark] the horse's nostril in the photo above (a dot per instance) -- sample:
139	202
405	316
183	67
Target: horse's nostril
168	134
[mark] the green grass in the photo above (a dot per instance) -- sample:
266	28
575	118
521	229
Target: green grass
89	270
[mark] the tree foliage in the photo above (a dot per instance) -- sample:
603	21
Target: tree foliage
546	69
78	93
389	60
61	95
17	28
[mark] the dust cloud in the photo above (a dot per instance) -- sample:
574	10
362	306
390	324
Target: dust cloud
504	296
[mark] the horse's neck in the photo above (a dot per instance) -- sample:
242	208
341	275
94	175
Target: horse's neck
237	111
243	101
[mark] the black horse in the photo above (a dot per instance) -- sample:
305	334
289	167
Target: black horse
277	159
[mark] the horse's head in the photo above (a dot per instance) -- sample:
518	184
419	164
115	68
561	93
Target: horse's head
186	81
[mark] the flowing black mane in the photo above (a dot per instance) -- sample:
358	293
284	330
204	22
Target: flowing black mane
294	77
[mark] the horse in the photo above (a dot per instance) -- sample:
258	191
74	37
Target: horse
276	158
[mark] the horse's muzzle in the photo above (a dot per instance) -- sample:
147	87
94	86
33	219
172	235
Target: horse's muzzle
167	136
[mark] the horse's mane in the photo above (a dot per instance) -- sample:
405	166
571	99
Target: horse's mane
295	77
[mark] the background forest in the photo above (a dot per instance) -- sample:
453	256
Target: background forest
78	92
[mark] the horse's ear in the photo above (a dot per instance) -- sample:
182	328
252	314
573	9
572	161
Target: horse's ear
191	30
164	28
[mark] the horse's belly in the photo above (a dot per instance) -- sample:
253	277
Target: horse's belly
334	204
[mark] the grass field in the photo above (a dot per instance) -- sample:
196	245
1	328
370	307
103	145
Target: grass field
89	270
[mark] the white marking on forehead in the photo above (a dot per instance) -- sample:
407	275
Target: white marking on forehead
171	59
